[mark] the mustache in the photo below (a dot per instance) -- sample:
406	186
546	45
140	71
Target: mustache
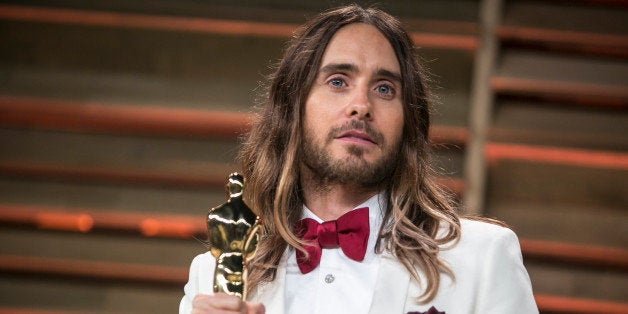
359	126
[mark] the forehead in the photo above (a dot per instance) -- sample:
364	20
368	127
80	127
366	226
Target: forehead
363	45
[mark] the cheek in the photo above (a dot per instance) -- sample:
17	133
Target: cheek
319	113
312	107
314	123
394	125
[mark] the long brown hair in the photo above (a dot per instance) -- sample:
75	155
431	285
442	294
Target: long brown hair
271	157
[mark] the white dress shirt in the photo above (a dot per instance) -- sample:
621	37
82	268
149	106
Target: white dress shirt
338	284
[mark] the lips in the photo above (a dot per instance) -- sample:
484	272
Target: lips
357	136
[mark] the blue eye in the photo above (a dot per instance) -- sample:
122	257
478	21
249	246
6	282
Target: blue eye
336	82
384	90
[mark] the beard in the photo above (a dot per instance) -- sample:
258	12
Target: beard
353	169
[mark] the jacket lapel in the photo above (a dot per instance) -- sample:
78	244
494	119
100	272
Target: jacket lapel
391	289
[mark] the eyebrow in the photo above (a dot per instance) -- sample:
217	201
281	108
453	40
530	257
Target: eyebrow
333	67
393	76
348	67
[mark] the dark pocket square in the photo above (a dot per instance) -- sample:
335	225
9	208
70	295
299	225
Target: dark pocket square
432	310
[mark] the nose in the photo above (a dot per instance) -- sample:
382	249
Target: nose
360	105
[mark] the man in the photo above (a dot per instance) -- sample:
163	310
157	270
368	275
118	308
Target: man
337	168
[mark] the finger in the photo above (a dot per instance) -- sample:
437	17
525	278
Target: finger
255	308
225	301
201	302
217	303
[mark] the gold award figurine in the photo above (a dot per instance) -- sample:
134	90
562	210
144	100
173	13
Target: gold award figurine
232	232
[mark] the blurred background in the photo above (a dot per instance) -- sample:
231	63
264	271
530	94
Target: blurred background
119	122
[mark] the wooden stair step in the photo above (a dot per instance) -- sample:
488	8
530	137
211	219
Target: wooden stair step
564	41
177	276
137	176
14	310
168	275
188	226
197	25
583	140
558	304
556	91
78	116
496	152
611	3
532	123
88	220
102	196
72	295
102	245
126	119
560	77
139	89
587	16
146	21
577	281
129	176
575	254
282	11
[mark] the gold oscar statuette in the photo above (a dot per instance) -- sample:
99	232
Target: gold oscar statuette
232	232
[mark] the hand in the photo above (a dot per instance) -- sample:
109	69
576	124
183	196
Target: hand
222	303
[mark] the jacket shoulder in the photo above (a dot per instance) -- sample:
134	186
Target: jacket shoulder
475	232
488	271
479	237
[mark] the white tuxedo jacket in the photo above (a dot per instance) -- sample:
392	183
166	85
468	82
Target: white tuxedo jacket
489	279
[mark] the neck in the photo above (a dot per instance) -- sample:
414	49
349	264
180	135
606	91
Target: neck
330	200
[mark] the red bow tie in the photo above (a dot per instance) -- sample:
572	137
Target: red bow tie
350	232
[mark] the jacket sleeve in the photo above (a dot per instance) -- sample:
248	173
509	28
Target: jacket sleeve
200	281
506	286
